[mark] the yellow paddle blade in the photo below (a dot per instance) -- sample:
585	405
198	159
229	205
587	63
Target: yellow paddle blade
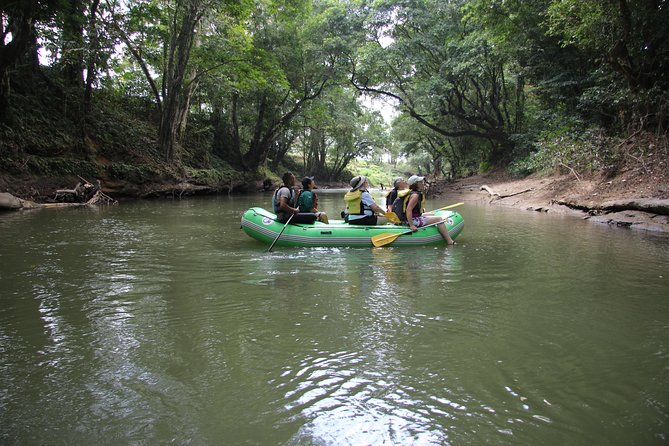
388	237
392	218
385	238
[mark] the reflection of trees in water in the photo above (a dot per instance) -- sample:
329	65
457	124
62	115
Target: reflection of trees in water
365	390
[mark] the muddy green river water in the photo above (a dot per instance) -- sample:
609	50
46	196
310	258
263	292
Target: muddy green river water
161	322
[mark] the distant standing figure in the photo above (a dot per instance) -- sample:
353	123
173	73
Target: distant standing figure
284	203
308	200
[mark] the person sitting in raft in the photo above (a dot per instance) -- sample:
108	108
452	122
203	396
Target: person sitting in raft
414	209
361	209
308	200
284	202
398	185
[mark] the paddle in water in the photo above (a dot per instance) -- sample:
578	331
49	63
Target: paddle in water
281	232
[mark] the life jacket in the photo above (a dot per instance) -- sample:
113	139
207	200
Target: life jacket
390	196
307	201
354	204
275	199
400	204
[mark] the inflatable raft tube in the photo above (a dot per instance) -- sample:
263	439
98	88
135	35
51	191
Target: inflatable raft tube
262	225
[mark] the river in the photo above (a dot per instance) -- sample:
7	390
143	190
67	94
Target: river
161	322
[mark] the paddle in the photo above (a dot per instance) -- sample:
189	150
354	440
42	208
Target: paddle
449	206
281	232
392	217
387	238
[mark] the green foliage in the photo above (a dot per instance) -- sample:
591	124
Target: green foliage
59	166
376	173
484	167
218	173
629	39
479	82
567	145
208	177
137	174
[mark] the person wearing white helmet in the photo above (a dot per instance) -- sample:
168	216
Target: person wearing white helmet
414	209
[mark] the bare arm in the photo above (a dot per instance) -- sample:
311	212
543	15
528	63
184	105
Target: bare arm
377	209
285	207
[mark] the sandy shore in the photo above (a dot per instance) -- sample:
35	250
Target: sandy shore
637	203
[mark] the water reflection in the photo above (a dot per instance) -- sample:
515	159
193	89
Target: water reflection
348	403
163	322
363	395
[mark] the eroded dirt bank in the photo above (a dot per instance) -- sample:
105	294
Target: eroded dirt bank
638	201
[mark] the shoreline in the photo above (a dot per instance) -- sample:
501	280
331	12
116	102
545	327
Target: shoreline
592	199
632	200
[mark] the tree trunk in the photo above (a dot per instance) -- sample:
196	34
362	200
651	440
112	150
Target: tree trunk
20	23
226	142
73	43
177	93
93	59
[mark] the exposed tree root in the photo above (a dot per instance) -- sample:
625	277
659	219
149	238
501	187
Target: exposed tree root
85	192
497	196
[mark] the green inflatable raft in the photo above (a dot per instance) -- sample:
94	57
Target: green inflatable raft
262	225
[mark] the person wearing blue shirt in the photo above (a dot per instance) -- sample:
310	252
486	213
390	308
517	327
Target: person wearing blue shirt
361	209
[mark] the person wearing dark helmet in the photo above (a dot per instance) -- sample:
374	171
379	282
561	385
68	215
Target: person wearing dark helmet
284	202
398	185
308	200
361	209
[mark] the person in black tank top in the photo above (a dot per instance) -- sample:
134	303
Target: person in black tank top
418	219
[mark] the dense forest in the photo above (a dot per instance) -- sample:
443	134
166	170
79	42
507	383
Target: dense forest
229	92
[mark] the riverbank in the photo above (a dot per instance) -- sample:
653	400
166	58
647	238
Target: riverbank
636	199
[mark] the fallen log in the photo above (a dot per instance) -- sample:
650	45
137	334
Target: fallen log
10	202
650	205
490	191
495	195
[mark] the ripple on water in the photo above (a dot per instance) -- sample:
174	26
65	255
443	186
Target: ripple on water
343	403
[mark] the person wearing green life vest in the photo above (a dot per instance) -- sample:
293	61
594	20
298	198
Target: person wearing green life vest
361	209
284	203
308	199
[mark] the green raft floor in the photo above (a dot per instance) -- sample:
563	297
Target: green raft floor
262	225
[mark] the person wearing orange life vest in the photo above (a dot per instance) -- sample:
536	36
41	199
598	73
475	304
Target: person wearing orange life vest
414	212
361	209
